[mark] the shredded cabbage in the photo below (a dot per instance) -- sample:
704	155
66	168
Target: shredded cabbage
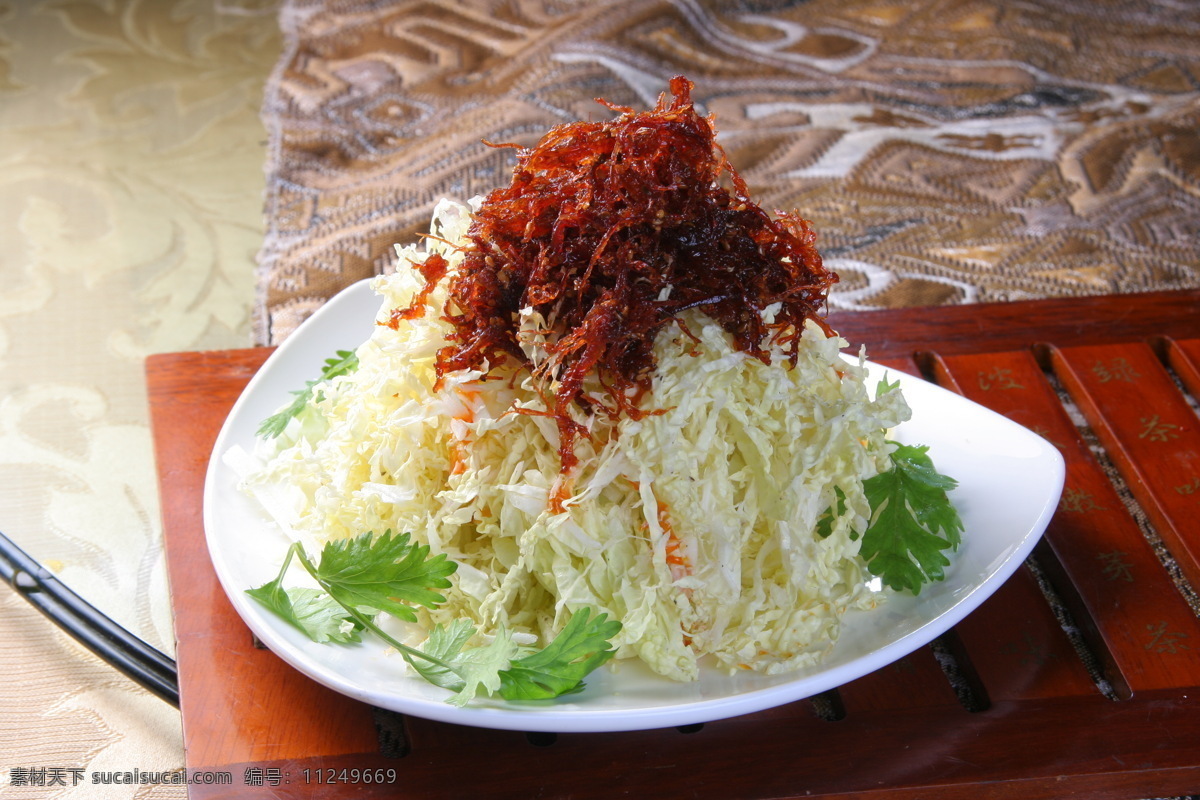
695	526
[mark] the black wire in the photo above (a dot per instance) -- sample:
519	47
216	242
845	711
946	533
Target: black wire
116	646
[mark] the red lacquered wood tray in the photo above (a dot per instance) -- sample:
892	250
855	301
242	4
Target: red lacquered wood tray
1079	677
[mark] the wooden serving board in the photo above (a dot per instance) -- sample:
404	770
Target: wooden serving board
1094	692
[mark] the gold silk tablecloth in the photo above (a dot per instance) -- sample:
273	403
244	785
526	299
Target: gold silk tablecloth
131	185
948	151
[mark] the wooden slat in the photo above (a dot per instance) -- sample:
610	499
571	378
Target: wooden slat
1149	430
1184	357
1110	573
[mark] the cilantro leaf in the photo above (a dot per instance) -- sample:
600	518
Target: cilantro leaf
444	643
322	618
560	667
313	612
345	362
555	670
383	573
912	521
482	667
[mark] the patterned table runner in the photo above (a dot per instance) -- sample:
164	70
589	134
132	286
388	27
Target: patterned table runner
947	151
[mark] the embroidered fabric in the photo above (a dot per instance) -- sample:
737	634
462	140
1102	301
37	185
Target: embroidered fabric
946	152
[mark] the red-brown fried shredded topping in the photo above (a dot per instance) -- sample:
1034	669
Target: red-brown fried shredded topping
433	269
610	230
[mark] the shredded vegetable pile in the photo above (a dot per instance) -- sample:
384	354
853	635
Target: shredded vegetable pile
694	527
726	502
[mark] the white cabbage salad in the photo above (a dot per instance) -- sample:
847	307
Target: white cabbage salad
605	399
694	527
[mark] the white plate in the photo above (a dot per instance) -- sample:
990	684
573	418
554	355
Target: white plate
1009	485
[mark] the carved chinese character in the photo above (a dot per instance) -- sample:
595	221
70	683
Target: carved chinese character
1189	488
1115	566
1155	430
1077	501
1117	369
998	378
1164	641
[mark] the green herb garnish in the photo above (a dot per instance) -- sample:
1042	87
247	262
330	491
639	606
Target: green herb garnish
345	362
363	577
912	521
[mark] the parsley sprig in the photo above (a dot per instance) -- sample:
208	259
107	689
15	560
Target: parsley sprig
343	363
912	523
363	577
